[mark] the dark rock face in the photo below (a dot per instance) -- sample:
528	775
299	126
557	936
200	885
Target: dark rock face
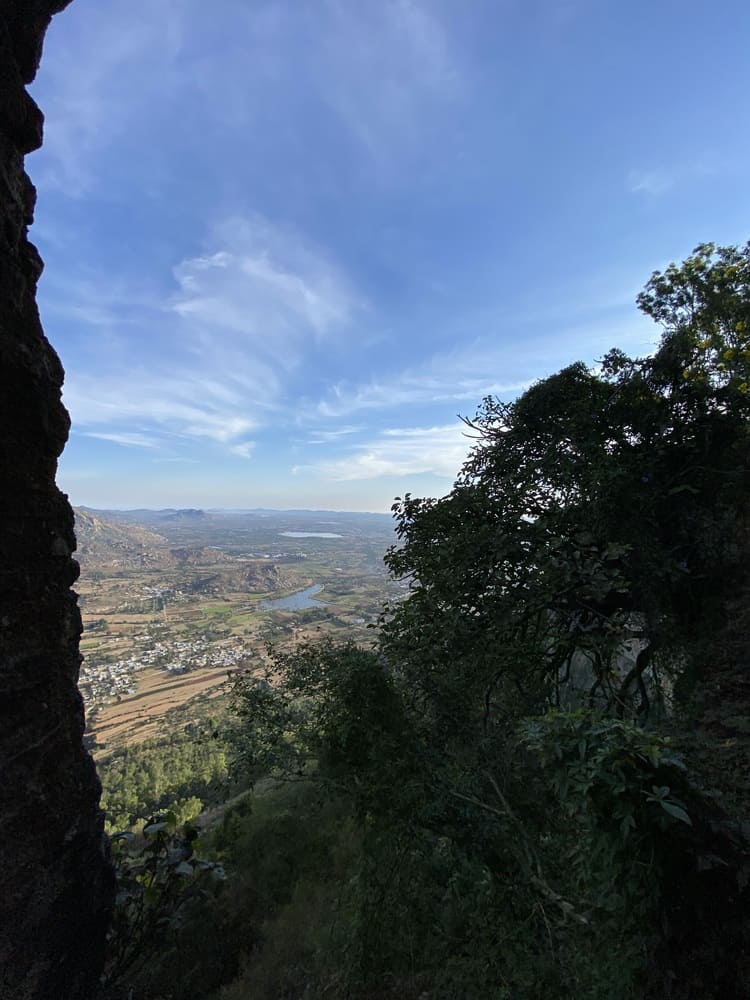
56	884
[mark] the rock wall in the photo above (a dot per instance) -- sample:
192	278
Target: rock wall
55	880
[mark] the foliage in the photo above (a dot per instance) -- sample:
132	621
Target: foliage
547	877
337	711
181	771
524	828
292	851
158	878
601	507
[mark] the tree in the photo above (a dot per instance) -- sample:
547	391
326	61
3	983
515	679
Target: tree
518	809
601	507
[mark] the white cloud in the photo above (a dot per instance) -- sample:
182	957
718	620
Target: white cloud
389	72
263	288
460	378
244	449
440	451
413	388
140	76
128	440
215	357
651	182
505	365
103	86
660	180
332	436
184	406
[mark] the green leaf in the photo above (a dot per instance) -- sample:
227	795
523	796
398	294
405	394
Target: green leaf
153	828
626	825
677	811
684	488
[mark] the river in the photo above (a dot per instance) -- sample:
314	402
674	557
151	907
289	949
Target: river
295	602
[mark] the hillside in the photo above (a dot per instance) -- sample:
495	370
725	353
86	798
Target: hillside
108	544
101	543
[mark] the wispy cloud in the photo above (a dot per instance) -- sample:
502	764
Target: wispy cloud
90	102
461	377
127	440
171	406
332	436
263	288
387	70
652	182
400	452
658	181
413	388
243	450
497	365
214	354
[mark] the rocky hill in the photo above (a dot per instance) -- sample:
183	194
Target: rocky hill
102	544
105	545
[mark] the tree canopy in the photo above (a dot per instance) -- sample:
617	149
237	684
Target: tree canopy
601	507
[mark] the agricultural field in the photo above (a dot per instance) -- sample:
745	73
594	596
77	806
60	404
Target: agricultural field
173	602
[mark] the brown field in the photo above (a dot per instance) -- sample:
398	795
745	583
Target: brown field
138	716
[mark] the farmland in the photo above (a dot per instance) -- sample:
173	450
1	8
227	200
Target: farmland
174	601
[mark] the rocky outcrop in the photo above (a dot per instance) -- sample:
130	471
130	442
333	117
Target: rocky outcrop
55	881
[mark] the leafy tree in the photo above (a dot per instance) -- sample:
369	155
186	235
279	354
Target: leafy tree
600	507
524	828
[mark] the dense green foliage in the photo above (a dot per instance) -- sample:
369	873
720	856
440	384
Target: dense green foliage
274	923
600	506
182	771
576	577
490	801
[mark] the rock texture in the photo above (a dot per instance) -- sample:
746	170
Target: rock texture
55	880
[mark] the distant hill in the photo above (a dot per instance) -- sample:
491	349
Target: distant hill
184	515
145	515
102	543
105	544
251	576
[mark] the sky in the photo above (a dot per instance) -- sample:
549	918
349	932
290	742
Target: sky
289	243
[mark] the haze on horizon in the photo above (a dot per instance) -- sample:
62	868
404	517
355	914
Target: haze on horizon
286	245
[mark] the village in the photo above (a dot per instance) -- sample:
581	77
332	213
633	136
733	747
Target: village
104	681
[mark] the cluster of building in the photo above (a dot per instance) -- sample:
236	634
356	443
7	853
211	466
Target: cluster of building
103	681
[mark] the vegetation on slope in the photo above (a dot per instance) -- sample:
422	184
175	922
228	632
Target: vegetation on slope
184	772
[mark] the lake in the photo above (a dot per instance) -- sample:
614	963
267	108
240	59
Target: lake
295	602
310	534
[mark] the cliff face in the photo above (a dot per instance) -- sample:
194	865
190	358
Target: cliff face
55	881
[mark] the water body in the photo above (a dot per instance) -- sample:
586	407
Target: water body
310	534
295	602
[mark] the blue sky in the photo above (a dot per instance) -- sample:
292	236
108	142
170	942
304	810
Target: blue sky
287	242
